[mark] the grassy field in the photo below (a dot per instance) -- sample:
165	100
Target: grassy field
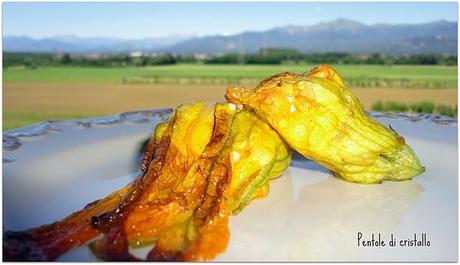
356	75
33	95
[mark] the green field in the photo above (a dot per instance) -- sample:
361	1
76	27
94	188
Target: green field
356	75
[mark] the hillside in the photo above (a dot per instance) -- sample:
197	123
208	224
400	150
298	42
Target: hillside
335	36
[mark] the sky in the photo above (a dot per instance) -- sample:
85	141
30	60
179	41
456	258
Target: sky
159	19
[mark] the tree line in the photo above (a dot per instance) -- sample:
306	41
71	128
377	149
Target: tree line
279	56
33	60
264	56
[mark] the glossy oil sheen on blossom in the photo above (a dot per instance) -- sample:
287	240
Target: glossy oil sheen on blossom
214	166
317	115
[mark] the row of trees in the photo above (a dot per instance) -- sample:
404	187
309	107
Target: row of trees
32	60
278	56
264	56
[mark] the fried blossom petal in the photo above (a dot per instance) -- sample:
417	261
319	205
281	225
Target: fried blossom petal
318	116
202	165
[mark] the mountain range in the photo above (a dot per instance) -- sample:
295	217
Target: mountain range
339	35
73	44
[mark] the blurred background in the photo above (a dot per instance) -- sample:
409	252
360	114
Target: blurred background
73	60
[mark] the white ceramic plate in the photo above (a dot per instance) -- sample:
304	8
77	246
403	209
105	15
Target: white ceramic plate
55	168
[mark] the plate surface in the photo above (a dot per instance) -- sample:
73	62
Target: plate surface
55	168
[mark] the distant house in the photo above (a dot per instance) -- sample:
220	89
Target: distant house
93	56
135	54
200	56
